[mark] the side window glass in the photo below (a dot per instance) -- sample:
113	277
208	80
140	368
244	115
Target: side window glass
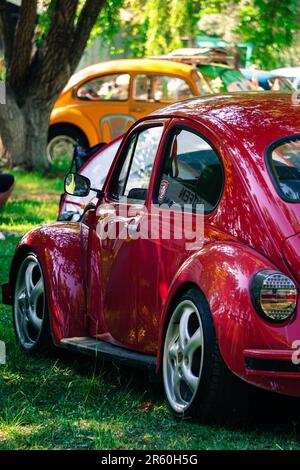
142	88
107	88
285	166
120	184
166	88
134	177
201	84
160	88
192	172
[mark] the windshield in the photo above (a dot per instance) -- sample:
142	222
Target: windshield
96	170
285	168
201	84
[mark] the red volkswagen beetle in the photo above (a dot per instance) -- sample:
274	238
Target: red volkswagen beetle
198	308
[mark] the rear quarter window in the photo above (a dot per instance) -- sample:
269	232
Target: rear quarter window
284	164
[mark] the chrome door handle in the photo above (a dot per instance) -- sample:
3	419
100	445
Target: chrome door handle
137	110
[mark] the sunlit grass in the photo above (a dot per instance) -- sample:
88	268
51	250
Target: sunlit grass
36	183
34	201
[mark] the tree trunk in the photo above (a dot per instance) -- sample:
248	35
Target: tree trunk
36	72
24	133
12	130
37	125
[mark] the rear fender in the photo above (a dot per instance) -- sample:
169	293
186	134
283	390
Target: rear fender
223	272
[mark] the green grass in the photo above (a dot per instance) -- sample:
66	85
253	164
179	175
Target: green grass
65	401
35	201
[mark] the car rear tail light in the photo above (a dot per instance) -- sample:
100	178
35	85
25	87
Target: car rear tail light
274	295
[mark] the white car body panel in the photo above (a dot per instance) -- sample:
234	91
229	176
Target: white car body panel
96	169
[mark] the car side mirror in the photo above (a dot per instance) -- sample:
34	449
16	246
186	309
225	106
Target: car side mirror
77	185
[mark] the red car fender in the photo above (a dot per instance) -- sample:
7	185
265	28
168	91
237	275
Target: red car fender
226	287
58	247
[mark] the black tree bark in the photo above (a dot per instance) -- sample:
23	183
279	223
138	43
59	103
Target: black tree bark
36	75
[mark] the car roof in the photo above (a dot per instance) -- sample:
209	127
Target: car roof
289	72
255	119
128	65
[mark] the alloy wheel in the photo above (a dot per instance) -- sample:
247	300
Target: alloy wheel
61	149
183	356
29	302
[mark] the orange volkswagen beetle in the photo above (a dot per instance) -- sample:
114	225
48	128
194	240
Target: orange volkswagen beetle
102	101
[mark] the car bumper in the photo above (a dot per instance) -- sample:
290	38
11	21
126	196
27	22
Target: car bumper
274	370
6	295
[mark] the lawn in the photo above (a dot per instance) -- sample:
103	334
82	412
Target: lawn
65	401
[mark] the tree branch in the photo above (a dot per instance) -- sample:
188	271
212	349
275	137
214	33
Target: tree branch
64	46
85	24
20	62
61	29
51	65
6	31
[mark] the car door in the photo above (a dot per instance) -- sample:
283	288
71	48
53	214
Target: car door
185	191
114	243
105	101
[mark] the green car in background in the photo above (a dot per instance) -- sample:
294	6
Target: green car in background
224	78
216	66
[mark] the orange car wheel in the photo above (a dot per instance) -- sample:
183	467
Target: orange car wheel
61	142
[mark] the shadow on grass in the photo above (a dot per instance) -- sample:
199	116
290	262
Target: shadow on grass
66	400
266	411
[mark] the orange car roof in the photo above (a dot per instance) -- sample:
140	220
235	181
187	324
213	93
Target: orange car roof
128	65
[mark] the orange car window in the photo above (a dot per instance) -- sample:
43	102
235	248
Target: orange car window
160	88
107	88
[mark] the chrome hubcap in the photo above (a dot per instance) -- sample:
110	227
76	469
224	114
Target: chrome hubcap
29	302
61	148
183	356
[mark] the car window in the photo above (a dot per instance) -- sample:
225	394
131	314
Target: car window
201	84
98	166
107	88
285	167
192	172
279	84
134	177
160	88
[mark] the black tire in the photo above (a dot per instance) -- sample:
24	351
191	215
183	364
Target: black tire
218	395
72	132
31	340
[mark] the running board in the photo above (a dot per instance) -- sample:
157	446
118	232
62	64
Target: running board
96	348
